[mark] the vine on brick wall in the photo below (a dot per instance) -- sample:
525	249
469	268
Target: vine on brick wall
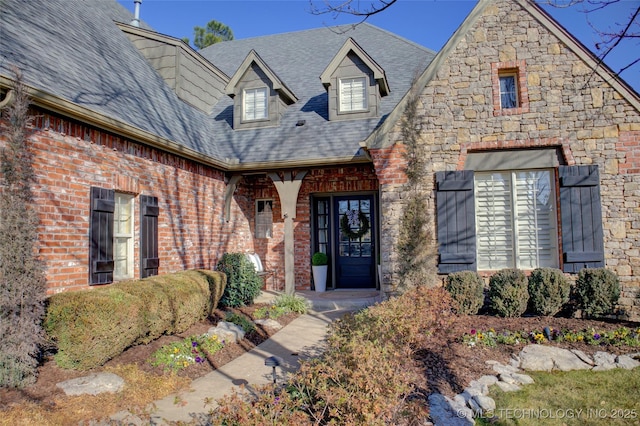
415	245
22	279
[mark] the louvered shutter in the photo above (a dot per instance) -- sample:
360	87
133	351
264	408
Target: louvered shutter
581	218
149	212
456	221
494	215
535	220
101	261
353	94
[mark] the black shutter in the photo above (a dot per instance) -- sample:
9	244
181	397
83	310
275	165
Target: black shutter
149	212
581	218
101	236
456	221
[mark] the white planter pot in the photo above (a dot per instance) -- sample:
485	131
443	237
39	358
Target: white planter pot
320	277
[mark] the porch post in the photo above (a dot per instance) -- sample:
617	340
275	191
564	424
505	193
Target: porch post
288	186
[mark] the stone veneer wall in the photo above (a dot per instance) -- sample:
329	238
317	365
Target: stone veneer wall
567	106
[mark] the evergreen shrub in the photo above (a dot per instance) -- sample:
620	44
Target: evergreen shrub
243	282
508	293
596	291
467	290
549	291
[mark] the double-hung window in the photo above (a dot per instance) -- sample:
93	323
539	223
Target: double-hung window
353	94
123	237
255	104
516	219
111	236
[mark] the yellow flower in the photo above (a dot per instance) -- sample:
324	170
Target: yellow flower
176	350
580	338
186	364
214	337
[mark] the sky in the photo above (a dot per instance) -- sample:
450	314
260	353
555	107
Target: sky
429	23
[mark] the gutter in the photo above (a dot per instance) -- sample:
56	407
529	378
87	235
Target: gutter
69	109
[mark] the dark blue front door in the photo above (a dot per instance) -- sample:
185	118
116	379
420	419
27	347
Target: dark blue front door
354	243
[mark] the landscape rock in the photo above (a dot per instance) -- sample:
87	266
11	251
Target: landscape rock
522	379
584	357
269	323
626	362
486	380
505	369
485	403
447	412
508	387
604	359
227	332
93	384
548	358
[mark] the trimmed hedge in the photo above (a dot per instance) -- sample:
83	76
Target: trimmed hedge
243	282
91	327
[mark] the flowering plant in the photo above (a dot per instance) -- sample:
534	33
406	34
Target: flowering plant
191	350
622	336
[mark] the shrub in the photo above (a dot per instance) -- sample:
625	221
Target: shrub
91	327
548	291
363	376
243	283
319	259
22	278
596	291
508	293
467	290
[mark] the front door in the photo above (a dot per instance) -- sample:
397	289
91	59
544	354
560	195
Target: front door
353	224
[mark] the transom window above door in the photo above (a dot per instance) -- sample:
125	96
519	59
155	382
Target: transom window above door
255	104
353	94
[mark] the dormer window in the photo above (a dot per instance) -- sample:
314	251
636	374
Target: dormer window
353	94
255	104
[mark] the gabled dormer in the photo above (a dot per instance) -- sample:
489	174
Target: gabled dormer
260	97
355	83
195	80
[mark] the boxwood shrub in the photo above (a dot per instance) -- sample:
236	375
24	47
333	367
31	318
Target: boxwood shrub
508	293
596	291
90	327
467	290
548	291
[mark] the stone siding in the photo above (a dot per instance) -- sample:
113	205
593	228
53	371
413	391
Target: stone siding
567	106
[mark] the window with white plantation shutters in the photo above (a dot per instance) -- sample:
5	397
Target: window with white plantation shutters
494	220
516	220
535	220
353	94
123	237
255	104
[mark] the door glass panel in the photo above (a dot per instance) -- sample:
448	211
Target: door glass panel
355	215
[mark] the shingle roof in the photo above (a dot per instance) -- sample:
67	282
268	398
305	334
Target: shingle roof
73	49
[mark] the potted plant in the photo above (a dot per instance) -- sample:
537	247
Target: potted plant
320	266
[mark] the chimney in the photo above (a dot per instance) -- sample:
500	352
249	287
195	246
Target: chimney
136	13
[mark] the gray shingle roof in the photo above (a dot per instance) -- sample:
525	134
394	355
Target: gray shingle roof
72	49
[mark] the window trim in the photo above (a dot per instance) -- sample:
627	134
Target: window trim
517	68
255	90
341	96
